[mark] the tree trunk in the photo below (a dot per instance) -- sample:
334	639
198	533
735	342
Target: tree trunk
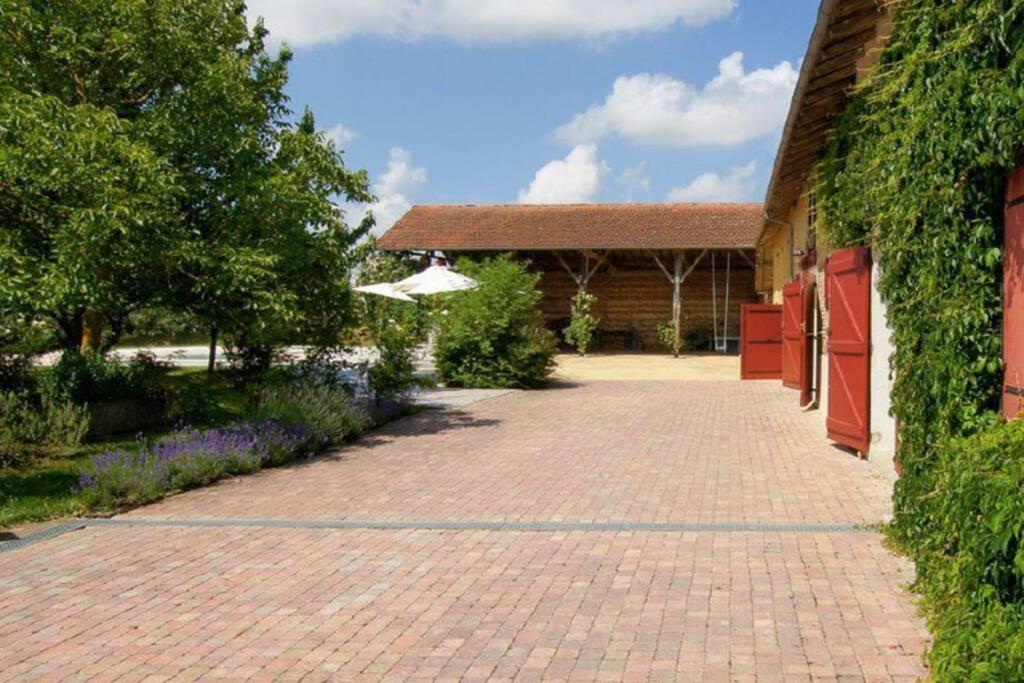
677	305
114	331
92	331
583	281
69	330
212	363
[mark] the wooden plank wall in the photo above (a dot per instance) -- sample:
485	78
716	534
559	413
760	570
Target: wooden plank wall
642	298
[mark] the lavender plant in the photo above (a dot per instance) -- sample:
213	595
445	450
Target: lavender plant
327	411
190	458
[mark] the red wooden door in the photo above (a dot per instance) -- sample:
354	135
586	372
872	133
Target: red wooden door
792	335
1013	298
797	324
848	291
760	341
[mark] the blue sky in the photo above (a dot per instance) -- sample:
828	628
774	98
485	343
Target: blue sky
503	101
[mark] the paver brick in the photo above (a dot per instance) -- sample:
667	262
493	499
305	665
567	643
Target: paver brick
603	451
186	603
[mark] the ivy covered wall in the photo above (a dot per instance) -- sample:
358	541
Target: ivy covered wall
917	167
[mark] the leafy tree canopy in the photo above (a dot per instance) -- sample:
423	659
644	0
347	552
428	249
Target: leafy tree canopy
147	156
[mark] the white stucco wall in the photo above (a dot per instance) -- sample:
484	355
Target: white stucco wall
883	426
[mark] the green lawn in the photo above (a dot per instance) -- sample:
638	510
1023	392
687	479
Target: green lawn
43	490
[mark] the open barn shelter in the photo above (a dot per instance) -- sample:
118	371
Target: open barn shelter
690	265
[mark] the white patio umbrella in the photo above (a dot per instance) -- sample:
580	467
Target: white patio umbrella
435	280
385	289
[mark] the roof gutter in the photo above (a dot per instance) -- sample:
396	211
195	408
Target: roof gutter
825	13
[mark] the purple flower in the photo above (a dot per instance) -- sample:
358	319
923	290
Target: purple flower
191	457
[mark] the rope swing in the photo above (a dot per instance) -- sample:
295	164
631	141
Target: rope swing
721	342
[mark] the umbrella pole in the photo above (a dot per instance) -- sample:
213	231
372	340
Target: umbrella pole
432	333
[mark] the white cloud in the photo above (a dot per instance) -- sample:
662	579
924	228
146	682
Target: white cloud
395	189
573	180
307	22
635	180
342	135
656	109
736	185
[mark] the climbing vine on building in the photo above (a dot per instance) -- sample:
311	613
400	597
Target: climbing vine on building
917	168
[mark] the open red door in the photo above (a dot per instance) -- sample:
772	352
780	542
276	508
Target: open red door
1013	298
792	334
797	323
760	341
848	292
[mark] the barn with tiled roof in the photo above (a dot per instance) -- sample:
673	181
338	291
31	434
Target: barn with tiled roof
647	264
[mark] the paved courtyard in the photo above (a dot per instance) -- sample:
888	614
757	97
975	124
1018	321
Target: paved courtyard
606	530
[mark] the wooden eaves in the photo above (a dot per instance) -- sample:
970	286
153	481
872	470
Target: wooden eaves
844	32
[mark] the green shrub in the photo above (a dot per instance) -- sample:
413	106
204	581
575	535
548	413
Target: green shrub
971	566
494	335
667	338
90	377
329	412
392	375
15	372
582	324
248	359
20	342
692	339
193	404
30	426
395	328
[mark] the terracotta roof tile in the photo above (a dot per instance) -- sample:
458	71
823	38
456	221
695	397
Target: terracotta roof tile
576	226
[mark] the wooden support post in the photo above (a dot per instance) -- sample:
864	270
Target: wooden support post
677	277
677	303
599	260
575	277
584	279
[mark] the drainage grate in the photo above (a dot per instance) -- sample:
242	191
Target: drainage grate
437	525
482	525
42	535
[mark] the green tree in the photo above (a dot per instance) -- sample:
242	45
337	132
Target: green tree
147	158
87	213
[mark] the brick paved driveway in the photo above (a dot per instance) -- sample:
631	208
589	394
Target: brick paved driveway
262	596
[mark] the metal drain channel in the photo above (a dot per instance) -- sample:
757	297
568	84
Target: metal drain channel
40	536
435	525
